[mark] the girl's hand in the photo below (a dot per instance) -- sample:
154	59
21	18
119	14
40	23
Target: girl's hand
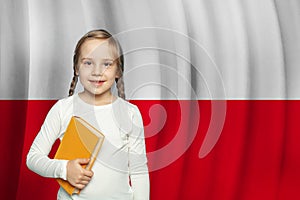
76	175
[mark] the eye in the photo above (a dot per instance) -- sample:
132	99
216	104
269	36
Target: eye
87	63
108	64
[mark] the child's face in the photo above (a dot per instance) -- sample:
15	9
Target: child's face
97	67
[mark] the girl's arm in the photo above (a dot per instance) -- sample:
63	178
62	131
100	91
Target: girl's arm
37	158
139	175
39	162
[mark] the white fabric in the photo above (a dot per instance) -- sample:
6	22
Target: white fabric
122	155
174	49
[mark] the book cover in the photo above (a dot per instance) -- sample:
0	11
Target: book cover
81	140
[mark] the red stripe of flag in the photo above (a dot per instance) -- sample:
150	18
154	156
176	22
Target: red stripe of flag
256	157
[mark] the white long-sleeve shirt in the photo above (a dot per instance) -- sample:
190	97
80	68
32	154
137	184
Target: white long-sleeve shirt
122	155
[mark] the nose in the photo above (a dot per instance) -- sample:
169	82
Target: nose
98	70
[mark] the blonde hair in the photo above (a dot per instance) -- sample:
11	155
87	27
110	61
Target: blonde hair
116	49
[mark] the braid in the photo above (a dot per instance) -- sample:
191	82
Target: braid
120	87
73	84
120	81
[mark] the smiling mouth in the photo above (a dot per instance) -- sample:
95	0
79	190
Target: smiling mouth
97	83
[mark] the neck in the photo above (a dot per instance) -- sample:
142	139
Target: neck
97	100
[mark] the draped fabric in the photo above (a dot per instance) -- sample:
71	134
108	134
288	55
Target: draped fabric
216	82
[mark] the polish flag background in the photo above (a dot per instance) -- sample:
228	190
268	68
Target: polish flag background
217	83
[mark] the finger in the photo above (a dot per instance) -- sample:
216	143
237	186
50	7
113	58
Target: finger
80	186
83	161
84	182
88	173
85	178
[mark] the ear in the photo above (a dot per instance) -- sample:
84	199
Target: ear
76	71
119	73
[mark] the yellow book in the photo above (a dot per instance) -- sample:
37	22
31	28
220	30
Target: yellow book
81	140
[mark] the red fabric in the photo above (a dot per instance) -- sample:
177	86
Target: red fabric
256	157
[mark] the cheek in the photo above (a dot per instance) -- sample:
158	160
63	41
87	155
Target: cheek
83	71
111	76
114	73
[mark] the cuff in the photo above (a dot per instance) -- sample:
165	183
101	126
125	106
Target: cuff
63	170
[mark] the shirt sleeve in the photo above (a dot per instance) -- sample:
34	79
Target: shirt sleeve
139	175
37	157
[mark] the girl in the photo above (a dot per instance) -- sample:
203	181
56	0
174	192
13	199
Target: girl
120	170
